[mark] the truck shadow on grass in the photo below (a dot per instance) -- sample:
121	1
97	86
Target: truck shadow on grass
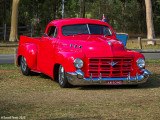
153	82
41	75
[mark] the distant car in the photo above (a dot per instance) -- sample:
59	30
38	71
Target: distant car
81	51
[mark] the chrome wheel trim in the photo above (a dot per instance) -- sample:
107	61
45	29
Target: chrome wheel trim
61	75
23	64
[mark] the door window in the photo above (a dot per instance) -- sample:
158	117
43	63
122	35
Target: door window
52	32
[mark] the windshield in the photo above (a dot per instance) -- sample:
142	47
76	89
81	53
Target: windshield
86	29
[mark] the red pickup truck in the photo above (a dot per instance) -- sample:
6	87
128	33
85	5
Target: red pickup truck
81	51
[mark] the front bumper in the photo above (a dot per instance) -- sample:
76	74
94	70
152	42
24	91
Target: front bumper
77	78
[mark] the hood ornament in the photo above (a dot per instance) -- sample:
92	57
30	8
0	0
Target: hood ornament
113	63
109	43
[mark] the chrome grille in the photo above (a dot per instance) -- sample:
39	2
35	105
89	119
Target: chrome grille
109	67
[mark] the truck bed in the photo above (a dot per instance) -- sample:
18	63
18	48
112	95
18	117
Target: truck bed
24	39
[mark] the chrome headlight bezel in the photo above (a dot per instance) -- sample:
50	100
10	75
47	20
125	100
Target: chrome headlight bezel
140	63
78	63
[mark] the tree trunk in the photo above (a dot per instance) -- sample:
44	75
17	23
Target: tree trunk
4	12
62	9
99	17
54	9
84	10
123	15
80	10
149	21
14	21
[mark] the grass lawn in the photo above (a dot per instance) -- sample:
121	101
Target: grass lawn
133	44
39	97
152	60
7	50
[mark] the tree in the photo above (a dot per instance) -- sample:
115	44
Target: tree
82	9
14	21
149	21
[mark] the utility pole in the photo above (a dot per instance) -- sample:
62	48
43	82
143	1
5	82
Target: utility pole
62	9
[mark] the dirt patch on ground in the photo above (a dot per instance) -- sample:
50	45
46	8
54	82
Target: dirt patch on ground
39	97
154	67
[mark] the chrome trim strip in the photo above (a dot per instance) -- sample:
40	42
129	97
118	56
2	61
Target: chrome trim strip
137	77
129	77
90	78
65	44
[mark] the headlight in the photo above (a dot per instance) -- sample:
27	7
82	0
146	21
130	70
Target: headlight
78	63
140	63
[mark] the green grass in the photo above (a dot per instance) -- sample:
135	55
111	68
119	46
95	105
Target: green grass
152	60
7	52
8	67
133	44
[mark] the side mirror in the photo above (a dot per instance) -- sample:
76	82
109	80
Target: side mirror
45	35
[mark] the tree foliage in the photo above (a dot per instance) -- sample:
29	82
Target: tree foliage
123	15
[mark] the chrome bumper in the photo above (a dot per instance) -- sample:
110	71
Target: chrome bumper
77	78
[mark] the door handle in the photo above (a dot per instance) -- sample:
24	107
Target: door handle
64	44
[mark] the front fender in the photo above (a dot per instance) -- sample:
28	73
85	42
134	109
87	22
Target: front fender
29	51
66	59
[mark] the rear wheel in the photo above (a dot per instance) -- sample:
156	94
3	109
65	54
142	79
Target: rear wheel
62	79
24	67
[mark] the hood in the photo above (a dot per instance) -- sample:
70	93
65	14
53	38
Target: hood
98	46
102	47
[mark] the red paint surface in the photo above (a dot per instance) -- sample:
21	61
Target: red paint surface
43	53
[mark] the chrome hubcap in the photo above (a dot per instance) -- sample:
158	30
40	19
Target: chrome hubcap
24	64
61	75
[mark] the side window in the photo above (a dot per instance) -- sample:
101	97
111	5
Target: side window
52	32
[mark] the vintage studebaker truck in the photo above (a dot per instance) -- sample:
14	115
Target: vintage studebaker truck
81	51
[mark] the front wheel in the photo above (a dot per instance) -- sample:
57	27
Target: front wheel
24	67
63	82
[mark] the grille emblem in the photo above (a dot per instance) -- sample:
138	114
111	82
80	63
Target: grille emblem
113	63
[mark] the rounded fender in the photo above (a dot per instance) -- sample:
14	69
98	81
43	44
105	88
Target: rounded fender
137	55
66	59
29	51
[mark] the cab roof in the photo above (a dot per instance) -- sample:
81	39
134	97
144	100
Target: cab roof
62	22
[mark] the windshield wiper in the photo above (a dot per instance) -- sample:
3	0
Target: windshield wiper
107	35
78	34
75	34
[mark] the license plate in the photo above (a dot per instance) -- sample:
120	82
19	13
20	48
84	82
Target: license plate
114	83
